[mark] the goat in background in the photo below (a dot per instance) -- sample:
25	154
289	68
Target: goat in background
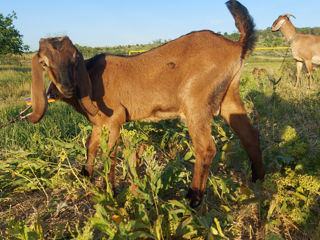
260	73
191	77
305	47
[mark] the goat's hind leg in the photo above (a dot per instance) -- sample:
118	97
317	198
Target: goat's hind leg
234	113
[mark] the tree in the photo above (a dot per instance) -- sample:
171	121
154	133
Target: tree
10	38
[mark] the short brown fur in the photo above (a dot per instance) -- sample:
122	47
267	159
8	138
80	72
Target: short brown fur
191	77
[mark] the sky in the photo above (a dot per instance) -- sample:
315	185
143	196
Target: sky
99	23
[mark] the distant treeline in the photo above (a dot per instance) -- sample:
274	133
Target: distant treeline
88	52
266	38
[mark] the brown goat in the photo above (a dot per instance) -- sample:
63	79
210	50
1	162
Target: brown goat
305	47
191	77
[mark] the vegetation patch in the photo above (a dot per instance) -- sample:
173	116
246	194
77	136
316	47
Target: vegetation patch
43	196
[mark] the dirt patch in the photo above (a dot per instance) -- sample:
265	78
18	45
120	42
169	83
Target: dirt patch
57	211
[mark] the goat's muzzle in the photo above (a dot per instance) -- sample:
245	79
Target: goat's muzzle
66	91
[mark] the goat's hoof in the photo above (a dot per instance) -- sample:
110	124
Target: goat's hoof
195	198
258	175
84	172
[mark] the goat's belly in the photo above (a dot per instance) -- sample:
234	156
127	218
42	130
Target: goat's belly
316	60
296	56
161	115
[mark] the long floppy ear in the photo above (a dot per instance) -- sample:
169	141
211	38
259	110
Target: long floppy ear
84	88
38	92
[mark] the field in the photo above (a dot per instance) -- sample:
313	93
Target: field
43	196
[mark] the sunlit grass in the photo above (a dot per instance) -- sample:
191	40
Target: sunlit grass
42	162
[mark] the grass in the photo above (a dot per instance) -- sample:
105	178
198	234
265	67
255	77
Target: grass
42	195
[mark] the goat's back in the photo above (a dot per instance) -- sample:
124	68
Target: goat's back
157	84
306	46
210	46
176	60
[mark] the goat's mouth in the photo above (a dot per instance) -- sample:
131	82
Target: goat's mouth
67	92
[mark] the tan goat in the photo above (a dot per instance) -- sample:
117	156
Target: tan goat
191	77
305	47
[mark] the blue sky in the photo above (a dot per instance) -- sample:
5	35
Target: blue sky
122	22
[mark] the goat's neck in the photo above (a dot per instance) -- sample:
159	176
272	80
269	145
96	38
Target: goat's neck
288	31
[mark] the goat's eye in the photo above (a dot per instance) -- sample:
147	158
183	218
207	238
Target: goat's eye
44	61
43	64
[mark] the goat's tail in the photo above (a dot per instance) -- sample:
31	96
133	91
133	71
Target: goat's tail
245	25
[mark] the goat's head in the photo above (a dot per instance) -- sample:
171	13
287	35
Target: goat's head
280	21
67	70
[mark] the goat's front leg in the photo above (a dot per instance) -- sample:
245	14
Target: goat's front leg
114	124
113	137
205	150
93	143
299	68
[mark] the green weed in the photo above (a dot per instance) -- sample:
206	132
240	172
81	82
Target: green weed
40	165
